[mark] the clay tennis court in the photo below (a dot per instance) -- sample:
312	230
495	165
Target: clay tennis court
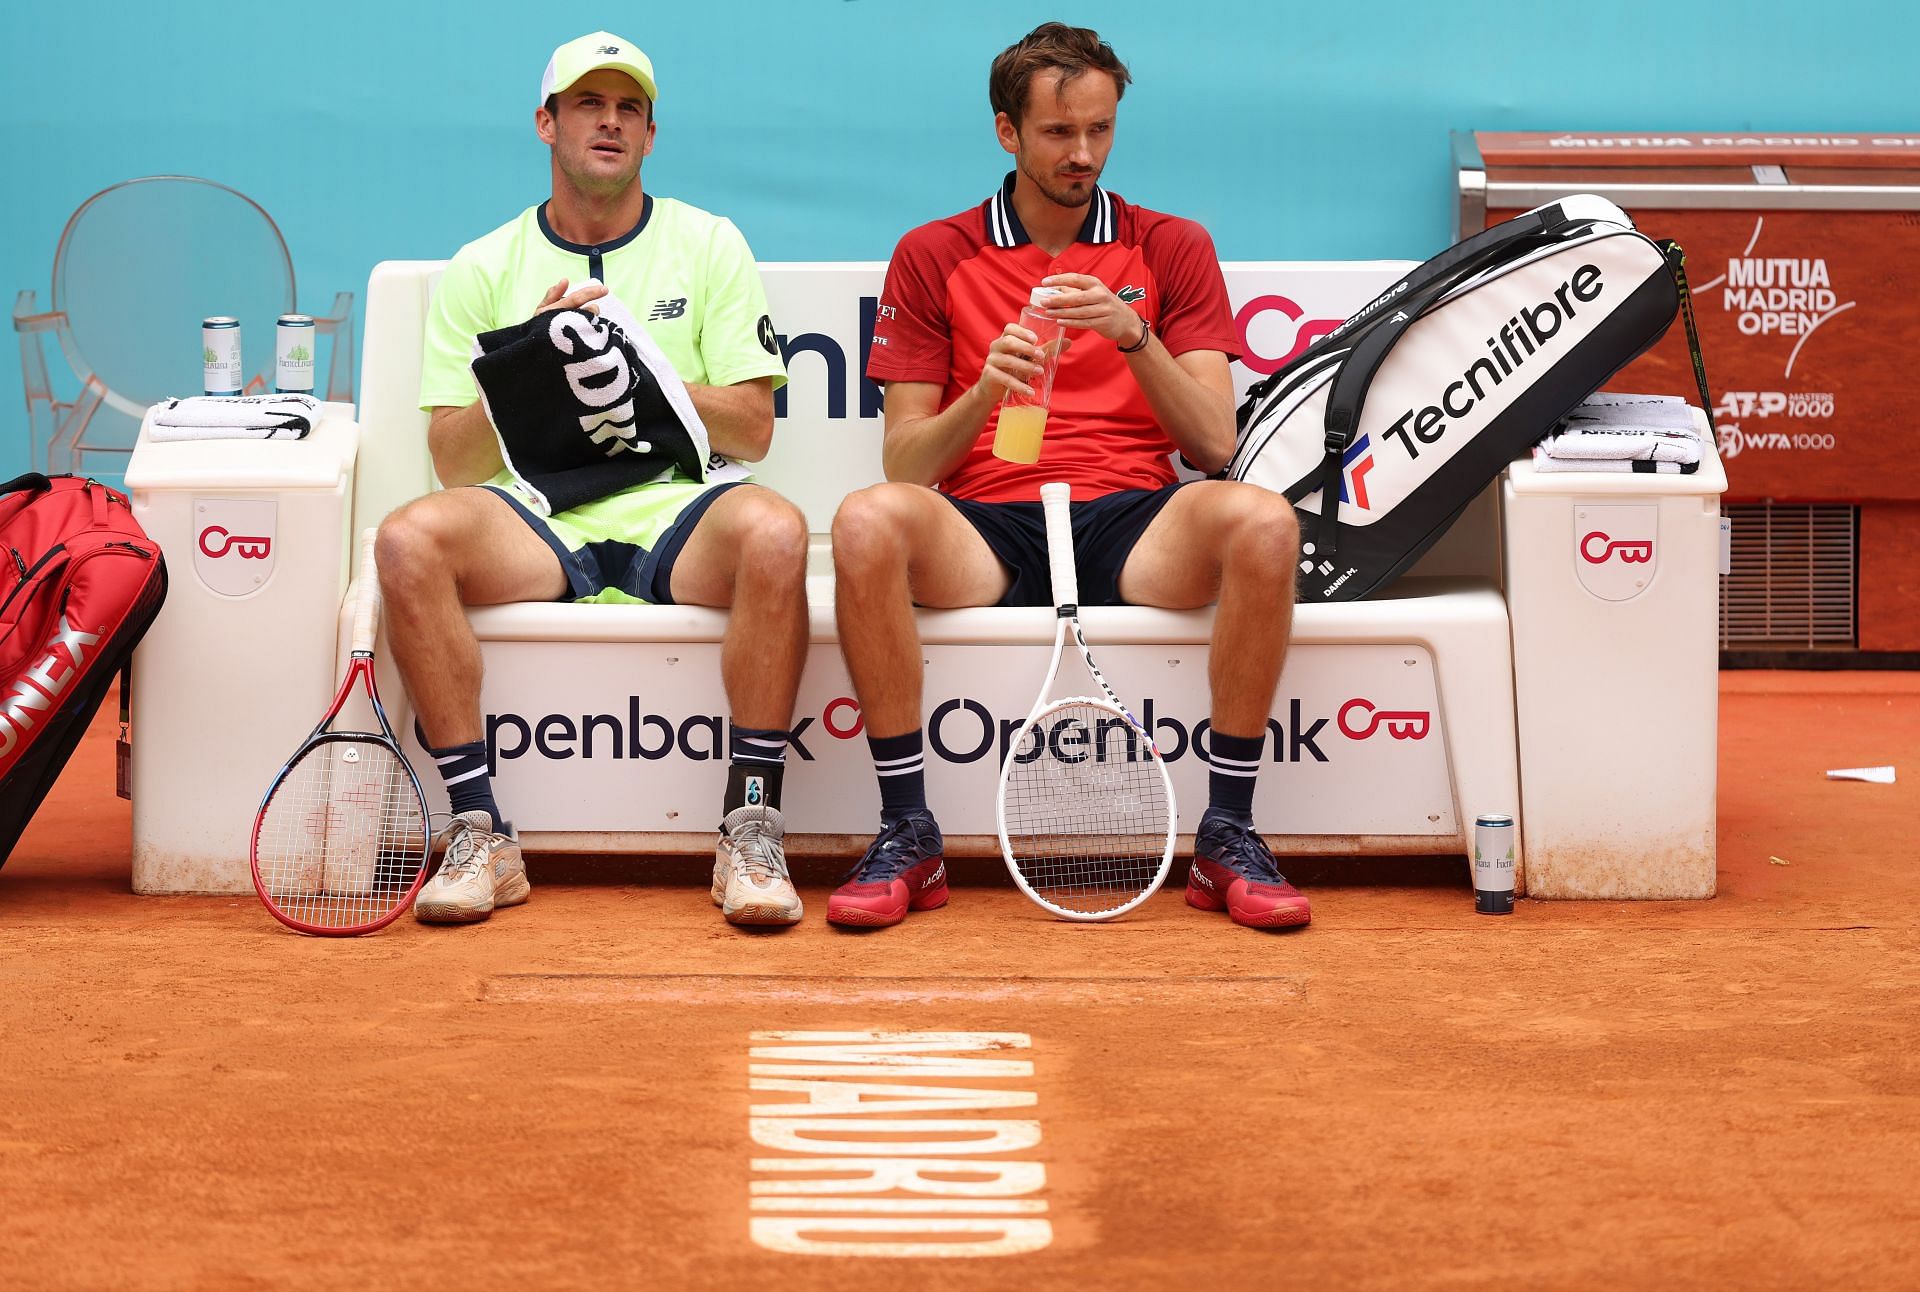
1690	1094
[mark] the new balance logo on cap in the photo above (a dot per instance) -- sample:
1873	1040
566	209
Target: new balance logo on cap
590	53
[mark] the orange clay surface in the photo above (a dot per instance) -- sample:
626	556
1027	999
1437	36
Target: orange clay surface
1720	1094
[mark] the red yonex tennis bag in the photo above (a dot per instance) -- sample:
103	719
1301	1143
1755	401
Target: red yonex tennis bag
80	582
1386	428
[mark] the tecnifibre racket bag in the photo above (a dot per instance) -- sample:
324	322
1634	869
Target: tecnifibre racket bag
80	582
1386	428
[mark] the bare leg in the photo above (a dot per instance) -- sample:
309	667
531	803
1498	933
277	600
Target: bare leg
749	552
438	554
1241	543
895	545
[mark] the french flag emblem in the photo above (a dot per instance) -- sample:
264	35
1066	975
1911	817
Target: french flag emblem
1354	466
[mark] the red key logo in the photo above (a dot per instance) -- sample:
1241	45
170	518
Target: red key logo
1401	724
216	542
1598	548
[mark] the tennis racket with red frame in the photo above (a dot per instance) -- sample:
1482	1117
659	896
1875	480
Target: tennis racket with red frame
1086	806
341	842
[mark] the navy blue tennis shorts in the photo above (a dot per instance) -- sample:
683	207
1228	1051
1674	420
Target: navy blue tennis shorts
1105	530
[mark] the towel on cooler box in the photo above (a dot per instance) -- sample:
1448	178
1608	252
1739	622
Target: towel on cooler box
234	417
1612	427
1545	462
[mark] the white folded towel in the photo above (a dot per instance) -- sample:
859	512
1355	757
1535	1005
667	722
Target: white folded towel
1664	410
1652	428
1543	461
1577	444
234	417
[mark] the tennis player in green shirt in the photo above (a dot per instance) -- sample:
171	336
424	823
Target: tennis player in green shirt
690	279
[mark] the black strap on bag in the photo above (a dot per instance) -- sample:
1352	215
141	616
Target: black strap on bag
33	480
123	739
1446	264
1677	263
1349	394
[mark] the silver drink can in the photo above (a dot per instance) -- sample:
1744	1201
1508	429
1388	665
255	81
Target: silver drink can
293	355
1493	841
220	353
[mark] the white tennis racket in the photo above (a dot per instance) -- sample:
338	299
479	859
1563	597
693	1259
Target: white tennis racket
1086	806
340	844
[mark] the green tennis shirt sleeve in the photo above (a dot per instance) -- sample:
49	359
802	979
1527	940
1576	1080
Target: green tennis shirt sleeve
736	333
461	309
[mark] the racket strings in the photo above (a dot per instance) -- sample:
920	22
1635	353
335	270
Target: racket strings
343	837
1088	815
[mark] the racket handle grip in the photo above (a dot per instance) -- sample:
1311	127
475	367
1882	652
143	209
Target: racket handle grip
366	606
1055	500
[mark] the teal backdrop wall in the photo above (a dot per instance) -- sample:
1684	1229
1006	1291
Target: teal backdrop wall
826	127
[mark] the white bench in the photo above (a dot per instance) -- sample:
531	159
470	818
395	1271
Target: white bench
1398	720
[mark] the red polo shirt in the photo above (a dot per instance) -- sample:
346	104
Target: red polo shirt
954	285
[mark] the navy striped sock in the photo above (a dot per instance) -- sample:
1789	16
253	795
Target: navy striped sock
759	758
1232	763
463	770
900	764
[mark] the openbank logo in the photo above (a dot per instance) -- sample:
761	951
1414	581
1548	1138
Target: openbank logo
841	375
1359	718
1616	547
216	542
235	543
1597	548
960	729
1253	316
1265	348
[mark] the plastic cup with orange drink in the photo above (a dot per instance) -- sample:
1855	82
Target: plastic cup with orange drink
1021	430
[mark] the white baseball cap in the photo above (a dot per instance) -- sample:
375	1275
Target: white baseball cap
591	52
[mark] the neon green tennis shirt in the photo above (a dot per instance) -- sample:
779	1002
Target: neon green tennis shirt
688	276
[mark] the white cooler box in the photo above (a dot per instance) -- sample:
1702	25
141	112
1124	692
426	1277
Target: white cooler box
255	533
1613	580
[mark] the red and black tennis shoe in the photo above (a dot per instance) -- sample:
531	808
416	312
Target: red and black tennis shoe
905	869
1233	869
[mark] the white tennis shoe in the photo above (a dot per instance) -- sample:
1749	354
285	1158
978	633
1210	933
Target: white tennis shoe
482	869
750	880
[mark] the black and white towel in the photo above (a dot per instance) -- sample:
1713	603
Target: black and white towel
233	417
586	405
1543	462
1610	427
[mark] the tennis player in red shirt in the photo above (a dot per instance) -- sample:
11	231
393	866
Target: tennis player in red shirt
1143	374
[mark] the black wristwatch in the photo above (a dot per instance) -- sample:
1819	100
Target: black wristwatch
1146	334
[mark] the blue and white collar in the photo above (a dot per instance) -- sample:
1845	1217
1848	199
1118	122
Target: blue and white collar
1005	229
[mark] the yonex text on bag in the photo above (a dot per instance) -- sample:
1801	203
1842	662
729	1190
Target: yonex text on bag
82	582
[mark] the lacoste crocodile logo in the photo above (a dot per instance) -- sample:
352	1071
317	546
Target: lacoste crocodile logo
1130	293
